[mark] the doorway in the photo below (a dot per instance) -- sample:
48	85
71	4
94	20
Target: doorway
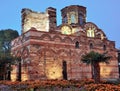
64	72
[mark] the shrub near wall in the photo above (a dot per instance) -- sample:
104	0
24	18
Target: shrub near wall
59	85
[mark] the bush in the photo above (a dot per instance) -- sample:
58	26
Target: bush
81	85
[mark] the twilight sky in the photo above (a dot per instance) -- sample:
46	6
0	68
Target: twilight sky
104	13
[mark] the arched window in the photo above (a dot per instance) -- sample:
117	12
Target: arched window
91	46
90	32
73	20
81	19
77	44
104	47
65	20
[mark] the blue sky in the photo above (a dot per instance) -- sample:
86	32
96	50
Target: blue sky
104	13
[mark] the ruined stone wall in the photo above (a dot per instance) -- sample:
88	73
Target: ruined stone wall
41	21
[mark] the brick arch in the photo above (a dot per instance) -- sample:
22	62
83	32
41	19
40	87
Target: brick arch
46	37
67	40
63	52
25	52
104	43
90	41
19	40
102	32
99	32
91	44
76	39
57	37
23	38
14	43
44	50
18	53
86	25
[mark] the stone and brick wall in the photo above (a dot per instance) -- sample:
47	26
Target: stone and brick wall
43	53
44	49
42	21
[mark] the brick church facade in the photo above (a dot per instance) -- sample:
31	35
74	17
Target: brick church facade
49	51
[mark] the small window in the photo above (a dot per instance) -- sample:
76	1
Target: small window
73	20
65	20
104	47
81	19
90	33
91	46
77	44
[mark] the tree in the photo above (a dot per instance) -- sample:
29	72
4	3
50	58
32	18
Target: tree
94	58
5	66
6	59
6	36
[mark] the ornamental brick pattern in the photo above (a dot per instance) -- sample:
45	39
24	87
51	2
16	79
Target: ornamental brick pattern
43	53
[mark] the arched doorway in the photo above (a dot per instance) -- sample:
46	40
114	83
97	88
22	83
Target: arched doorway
64	72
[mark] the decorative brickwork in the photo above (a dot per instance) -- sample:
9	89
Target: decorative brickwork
44	53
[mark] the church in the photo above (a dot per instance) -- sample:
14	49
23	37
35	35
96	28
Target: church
51	51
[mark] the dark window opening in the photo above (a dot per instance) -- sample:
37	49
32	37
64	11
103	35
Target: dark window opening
91	46
77	44
19	70
64	72
104	47
99	36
